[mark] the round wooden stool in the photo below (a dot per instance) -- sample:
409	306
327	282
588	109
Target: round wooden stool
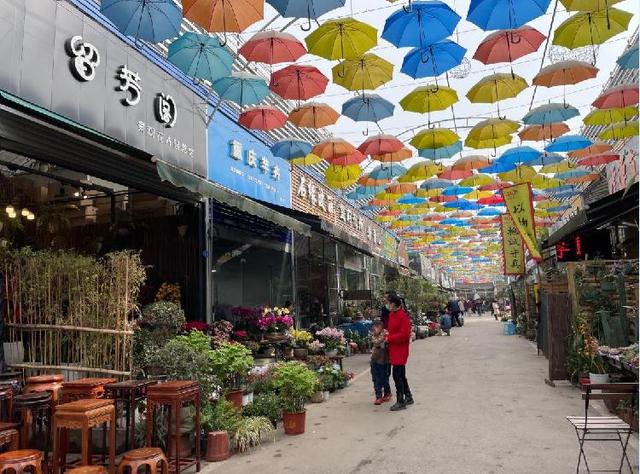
6	403
87	470
45	383
21	461
144	457
33	412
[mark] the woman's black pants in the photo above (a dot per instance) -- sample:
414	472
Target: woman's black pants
400	380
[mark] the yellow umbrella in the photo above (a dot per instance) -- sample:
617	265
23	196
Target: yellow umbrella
342	38
609	116
384	218
434	138
587	5
547	204
342	176
385	196
560	167
521	172
428	193
400	224
407	178
493	128
340	184
544	182
471	162
429	98
591	28
496	87
475	195
489	143
424	170
400	207
308	160
365	72
477	180
618	131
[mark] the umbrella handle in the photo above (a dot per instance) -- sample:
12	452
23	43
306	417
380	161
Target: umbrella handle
512	36
342	72
435	90
366	132
223	43
306	27
408	8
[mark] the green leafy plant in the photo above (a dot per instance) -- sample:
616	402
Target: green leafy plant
220	416
250	432
267	404
231	364
163	315
295	384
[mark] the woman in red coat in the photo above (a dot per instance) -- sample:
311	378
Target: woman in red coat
398	339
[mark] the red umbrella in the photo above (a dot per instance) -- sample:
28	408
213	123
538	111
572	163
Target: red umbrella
450	173
388	212
508	45
273	47
380	144
494	186
354	158
298	82
262	118
495	199
442	198
596	160
618	96
433	217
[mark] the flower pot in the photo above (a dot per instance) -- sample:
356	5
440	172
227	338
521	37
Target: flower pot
301	353
235	397
598	378
218	446
294	422
331	353
275	337
317	397
288	353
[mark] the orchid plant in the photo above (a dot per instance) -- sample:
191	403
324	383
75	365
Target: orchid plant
275	320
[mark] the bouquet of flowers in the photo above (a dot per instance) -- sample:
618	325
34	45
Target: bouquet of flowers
275	320
333	338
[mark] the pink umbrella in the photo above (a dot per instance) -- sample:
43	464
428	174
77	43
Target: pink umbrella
273	47
508	45
262	118
380	145
618	96
596	160
450	173
354	158
298	82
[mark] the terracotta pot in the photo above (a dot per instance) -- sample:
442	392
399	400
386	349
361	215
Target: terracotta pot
218	446
235	397
301	353
294	423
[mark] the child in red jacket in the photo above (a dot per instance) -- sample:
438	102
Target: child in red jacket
398	339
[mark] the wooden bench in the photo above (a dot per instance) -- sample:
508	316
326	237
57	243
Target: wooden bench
604	428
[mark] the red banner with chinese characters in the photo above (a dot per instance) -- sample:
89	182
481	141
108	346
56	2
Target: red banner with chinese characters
519	202
512	247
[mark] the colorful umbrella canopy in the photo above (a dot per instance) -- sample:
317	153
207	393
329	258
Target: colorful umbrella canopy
547	131
333	147
629	59
477	180
609	116
617	96
434	138
241	88
456	190
223	16
397	156
618	131
568	143
519	154
433	60
472	162
545	159
298	82
509	45
489	142
422	170
153	21
313	115
597	160
496	87
366	180
505	14
262	118
310	9
550	113
424	23
544	182
565	73
593	149
587	5
291	148
342	38
354	158
436	183
272	47
492	129
380	144
591	28
559	167
387	171
365	72
367	108
450	173
402	188
306	160
430	98
441	153
200	56
520	173
342	176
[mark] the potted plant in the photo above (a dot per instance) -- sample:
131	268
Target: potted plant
219	419
267	404
250	432
295	384
231	364
597	370
300	340
315	347
275	323
333	340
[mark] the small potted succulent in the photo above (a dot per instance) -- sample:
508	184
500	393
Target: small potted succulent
300	340
231	364
295	384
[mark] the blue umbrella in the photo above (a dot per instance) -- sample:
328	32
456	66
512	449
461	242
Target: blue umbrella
433	60
546	159
367	108
149	20
435	183
369	208
311	9
451	221
291	148
497	167
489	211
629	59
571	174
363	192
410	217
564	207
519	154
438	242
410	199
505	14
568	143
456	190
424	23
567	194
200	56
441	153
550	113
560	189
457	204
387	171
241	88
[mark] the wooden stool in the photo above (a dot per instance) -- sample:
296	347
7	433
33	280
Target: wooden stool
13	379
46	383
31	410
87	470
129	393
83	415
6	403
9	435
144	457
175	394
84	388
21	460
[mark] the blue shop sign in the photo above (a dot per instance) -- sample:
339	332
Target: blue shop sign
239	161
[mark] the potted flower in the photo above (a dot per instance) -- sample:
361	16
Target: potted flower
275	323
597	371
315	347
333	340
231	364
300	340
295	384
219	420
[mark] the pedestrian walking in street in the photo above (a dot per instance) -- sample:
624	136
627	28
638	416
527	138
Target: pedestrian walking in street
454	311
495	309
445	321
380	363
398	339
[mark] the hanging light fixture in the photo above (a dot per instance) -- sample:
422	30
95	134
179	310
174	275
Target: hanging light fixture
31	216
25	212
9	209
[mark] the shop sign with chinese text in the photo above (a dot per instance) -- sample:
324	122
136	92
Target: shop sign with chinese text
512	247
519	202
570	249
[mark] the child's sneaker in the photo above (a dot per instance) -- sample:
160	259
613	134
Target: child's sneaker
386	398
378	401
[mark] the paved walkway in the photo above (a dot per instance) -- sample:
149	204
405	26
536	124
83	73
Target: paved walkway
481	407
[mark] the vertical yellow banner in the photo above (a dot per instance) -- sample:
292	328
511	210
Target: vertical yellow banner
519	202
512	248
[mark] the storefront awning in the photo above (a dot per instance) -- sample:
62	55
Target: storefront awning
207	189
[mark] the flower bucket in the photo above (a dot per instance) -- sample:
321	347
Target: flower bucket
596	379
235	397
217	446
301	353
294	423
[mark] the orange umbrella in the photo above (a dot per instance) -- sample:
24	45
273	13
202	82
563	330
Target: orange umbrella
354	158
565	73
223	15
395	157
547	131
593	149
402	188
366	180
587	178
313	115
471	162
450	173
332	147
